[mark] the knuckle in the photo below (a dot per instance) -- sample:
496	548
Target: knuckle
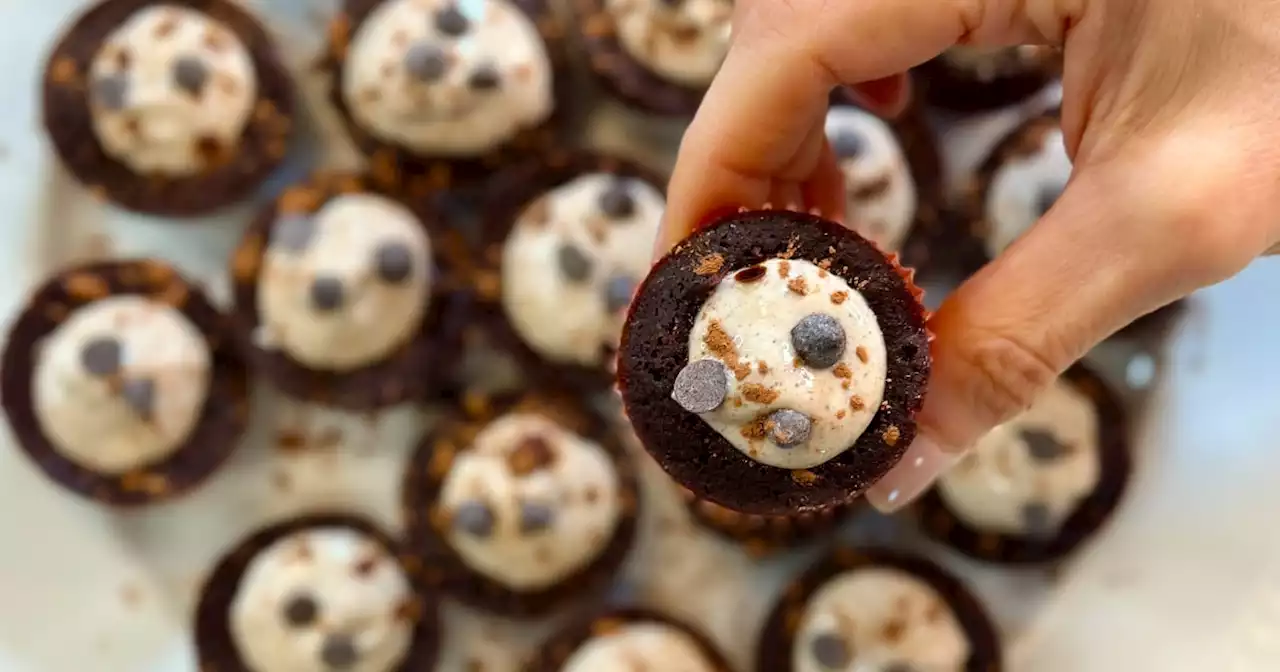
1002	376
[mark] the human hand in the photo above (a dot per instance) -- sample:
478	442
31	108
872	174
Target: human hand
1170	112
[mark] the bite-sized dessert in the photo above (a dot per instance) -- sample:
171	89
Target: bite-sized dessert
347	294
1039	485
567	239
857	611
629	640
656	55
321	592
169	108
975	79
1019	181
521	504
121	382
761	535
439	93
773	363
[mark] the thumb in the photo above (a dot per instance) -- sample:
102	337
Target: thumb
1126	237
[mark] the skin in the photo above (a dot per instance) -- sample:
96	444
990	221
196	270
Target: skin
1169	114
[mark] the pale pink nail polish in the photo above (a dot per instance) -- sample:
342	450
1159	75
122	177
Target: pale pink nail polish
920	467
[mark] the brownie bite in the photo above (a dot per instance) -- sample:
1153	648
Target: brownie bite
121	382
174	107
322	592
773	363
439	93
346	294
523	504
969	79
1038	486
762	535
878	610
623	640
567	240
658	56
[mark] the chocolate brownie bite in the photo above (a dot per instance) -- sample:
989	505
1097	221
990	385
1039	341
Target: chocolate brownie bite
1038	486
322	592
622	640
439	93
773	363
878	610
345	294
168	107
969	79
567	240
658	56
522	504
762	535
121	383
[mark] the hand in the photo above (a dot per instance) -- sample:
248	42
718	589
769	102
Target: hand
1171	114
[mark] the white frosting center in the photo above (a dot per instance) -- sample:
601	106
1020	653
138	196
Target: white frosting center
121	384
531	502
870	620
321	596
880	191
766	372
1021	188
684	41
640	646
171	91
460	85
334	292
569	265
1028	475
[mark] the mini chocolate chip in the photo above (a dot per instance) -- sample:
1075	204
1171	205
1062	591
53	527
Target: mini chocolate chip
617	202
750	274
140	395
831	651
1043	446
393	261
535	517
900	666
574	263
339	652
818	340
790	428
473	517
485	78
701	386
847	144
451	21
426	62
293	233
112	91
1046	197
101	356
190	74
300	611
326	293
1036	520
617	292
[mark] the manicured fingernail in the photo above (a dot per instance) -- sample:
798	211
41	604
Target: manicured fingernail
920	467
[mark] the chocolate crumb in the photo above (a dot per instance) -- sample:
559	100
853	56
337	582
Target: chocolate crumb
533	454
861	352
825	264
798	285
758	428
839	297
893	631
803	476
749	274
856	403
759	394
365	566
842	371
891	435
762	367
784	269
840	414
710	265
721	345
291	440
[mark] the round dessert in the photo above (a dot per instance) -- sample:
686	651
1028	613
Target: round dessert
975	79
624	640
171	108
345	294
121	383
877	610
773	363
762	535
441	92
656	55
1041	484
1020	180
566	241
322	592
520	505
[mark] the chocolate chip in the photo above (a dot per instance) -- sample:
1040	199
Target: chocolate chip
426	62
617	292
393	261
535	517
451	21
533	453
339	652
473	517
140	395
112	91
1043	446
617	202
789	428
831	651
300	611
190	74
326	293
750	274
1046	197
293	233
574	263
1036	520
818	340
485	78
101	356
847	144
701	386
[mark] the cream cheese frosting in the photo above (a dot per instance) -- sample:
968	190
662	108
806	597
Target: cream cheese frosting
344	287
880	191
328	598
121	383
171	91
683	41
1023	188
448	78
640	646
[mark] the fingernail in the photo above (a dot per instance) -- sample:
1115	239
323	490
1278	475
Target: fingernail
924	461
